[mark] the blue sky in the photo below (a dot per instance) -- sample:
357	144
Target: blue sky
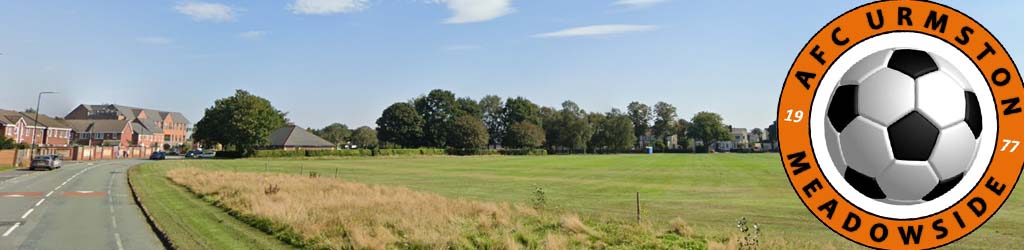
327	61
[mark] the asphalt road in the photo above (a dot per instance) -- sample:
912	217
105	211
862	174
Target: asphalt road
84	205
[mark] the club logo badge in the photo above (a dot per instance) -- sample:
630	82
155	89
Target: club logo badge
899	125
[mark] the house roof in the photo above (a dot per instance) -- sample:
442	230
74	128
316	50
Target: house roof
97	126
739	131
145	127
294	136
131	113
11	117
45	121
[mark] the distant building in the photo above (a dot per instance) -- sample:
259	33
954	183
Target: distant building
149	127
21	127
295	138
738	136
102	132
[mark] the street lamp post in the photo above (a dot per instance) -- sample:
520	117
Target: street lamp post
35	124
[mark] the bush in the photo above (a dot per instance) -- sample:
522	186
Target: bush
279	153
472	151
523	151
342	153
230	154
408	151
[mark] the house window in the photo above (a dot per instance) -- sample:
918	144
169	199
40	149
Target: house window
99	136
117	137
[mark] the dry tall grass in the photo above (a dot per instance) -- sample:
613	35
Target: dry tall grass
326	213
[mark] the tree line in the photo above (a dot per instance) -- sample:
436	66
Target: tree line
439	119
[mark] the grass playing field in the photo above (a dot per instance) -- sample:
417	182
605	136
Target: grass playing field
709	191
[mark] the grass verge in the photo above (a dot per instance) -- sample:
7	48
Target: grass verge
6	168
189	221
326	213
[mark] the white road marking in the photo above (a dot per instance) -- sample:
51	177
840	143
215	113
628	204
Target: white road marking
113	221
27	213
13	196
9	230
119	245
40	202
48	194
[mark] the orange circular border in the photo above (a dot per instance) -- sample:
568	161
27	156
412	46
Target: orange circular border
795	143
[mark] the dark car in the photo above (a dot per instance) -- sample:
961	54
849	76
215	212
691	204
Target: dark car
193	153
48	162
159	155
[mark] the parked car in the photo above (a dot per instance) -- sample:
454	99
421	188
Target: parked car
193	153
49	162
207	155
158	155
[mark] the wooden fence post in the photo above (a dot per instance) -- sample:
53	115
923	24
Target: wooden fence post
637	207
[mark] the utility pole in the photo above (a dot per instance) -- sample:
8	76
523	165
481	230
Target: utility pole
35	123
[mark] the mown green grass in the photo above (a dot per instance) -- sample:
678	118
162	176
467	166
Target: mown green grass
5	168
190	222
708	191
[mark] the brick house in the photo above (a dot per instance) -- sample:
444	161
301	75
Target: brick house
149	127
21	127
102	132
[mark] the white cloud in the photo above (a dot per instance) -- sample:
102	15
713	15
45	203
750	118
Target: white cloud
638	3
252	34
155	40
327	7
597	30
202	11
471	11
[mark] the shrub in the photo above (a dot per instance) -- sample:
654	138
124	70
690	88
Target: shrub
341	153
524	151
396	151
230	154
279	153
472	151
432	151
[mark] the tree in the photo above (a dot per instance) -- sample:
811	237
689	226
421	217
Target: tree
524	135
521	109
364	137
467	131
773	131
7	143
682	139
641	116
568	128
467	106
614	133
491	108
708	127
665	121
243	121
438	109
400	124
336	133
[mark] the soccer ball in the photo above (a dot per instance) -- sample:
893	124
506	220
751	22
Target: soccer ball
902	126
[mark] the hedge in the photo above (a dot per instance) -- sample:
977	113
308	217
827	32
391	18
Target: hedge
393	152
279	153
523	151
348	152
410	152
